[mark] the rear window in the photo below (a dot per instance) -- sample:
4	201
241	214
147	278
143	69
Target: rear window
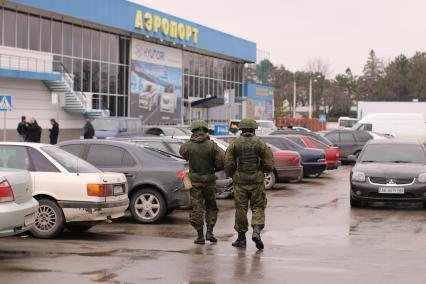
71	163
297	140
394	153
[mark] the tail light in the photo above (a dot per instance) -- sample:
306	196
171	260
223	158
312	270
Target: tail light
180	174
6	193
100	190
321	161
296	160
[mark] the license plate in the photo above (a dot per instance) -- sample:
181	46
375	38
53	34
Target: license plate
118	189
29	220
391	190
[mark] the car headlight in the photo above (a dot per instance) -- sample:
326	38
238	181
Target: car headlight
358	176
422	178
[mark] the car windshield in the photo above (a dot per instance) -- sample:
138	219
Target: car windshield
71	163
174	131
106	124
393	153
347	122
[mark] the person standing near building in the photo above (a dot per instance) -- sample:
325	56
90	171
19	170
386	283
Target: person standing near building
246	160
88	130
33	131
204	160
54	132
22	129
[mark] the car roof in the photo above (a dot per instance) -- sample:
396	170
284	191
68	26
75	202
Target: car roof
147	138
394	142
98	141
34	145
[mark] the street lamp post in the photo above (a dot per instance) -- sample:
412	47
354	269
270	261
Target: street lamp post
294	95
310	93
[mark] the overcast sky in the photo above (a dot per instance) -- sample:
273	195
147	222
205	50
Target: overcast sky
339	31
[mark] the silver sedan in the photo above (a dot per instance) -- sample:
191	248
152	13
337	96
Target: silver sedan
17	206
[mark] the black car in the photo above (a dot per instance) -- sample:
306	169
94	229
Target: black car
224	185
304	133
389	170
350	142
313	160
155	178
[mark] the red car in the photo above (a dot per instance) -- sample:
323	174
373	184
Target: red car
287	167
332	154
287	164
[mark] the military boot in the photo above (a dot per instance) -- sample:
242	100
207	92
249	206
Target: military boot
256	237
241	241
209	234
200	239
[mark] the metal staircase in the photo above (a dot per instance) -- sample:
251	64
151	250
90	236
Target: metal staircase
73	101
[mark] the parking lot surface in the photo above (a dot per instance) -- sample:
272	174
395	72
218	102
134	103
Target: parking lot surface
311	236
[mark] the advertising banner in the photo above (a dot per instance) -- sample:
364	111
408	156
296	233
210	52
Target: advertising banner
155	83
259	102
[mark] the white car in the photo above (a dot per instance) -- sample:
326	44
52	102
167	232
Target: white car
71	192
168	101
18	208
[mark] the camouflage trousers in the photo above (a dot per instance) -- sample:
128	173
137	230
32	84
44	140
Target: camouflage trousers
203	198
253	195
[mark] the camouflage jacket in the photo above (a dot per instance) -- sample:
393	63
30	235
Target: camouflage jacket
204	157
247	159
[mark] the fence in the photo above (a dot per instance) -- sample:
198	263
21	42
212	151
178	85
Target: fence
313	124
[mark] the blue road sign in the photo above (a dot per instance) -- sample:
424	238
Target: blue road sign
5	103
322	117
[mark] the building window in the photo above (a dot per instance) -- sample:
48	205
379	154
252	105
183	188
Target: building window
95	77
9	28
46	36
22	30
56	37
86	76
34	22
67	39
77	41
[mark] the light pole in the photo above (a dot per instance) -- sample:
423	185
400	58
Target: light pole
310	93
294	95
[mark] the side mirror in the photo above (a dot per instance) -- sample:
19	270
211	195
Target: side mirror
352	158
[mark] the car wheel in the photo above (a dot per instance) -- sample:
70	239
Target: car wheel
78	228
355	203
148	206
50	220
270	180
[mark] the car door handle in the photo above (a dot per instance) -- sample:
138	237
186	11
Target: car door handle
128	175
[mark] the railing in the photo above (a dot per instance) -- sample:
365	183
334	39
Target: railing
24	63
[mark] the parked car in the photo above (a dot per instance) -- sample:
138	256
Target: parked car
346	122
265	126
168	101
107	127
148	99
390	170
18	208
165	130
398	125
288	167
313	160
332	155
349	142
155	178
172	145
71	192
309	134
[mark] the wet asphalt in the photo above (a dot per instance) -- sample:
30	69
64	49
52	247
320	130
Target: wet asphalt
311	236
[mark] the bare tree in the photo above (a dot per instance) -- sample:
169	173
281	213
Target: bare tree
319	65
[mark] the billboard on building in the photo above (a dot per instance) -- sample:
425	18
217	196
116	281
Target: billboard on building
156	83
259	101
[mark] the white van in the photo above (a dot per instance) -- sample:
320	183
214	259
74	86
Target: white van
399	125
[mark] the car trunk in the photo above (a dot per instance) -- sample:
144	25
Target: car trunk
119	185
20	182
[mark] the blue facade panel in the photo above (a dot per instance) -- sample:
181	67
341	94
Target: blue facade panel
120	14
8	73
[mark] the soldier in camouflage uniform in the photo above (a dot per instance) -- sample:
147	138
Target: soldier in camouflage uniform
246	160
204	160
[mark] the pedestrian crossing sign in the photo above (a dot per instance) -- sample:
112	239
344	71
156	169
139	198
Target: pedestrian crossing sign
5	103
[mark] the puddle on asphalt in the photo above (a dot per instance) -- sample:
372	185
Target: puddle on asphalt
100	275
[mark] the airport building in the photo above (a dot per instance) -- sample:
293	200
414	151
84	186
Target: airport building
72	60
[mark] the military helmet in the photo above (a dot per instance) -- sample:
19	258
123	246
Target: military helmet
199	124
247	123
